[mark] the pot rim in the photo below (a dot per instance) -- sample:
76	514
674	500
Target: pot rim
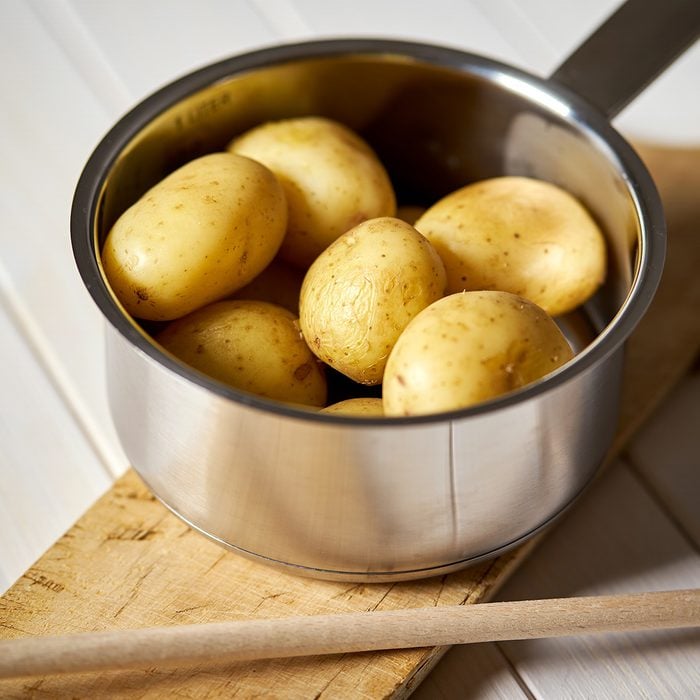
550	95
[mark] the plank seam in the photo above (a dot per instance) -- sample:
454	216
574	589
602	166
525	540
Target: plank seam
22	319
282	18
63	24
648	486
522	683
518	31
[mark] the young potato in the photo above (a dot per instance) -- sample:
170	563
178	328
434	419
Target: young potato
279	283
469	347
332	180
518	235
198	235
362	406
362	291
251	345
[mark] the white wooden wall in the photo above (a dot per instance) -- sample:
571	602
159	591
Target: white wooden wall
68	70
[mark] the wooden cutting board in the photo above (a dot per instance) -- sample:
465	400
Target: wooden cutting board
128	562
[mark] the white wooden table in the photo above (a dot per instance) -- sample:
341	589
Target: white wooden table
68	70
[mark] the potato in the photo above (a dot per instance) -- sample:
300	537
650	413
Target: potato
204	231
279	283
251	345
362	291
518	235
467	348
332	180
362	406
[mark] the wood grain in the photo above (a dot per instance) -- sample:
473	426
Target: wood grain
129	563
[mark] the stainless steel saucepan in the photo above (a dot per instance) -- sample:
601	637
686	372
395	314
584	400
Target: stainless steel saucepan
367	499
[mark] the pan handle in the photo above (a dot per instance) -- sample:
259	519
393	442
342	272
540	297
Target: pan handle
629	50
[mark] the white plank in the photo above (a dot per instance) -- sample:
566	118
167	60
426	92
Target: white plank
148	43
667	455
449	22
482	672
48	127
47	468
544	33
283	17
617	540
74	39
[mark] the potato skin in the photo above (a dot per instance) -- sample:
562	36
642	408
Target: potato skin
362	291
467	348
361	406
198	235
332	180
518	235
251	345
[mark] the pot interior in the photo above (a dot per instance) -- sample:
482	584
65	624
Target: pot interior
435	127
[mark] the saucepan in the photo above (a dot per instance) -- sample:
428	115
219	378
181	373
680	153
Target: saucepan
353	498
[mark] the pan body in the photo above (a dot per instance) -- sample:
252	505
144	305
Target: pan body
367	499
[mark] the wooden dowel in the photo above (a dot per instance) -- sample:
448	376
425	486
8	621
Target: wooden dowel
347	632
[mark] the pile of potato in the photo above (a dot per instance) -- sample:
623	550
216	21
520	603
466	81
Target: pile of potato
285	255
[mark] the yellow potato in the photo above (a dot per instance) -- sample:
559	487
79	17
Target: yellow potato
518	235
332	180
361	406
362	291
204	231
279	283
469	347
251	345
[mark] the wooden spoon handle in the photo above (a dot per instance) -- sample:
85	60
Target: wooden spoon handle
347	632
